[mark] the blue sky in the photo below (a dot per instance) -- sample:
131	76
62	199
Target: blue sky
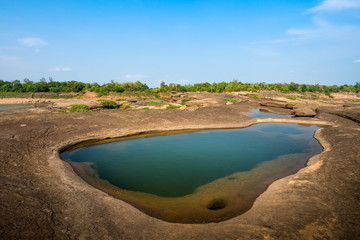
315	41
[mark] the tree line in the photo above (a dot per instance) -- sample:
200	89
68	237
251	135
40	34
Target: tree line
69	86
236	86
27	86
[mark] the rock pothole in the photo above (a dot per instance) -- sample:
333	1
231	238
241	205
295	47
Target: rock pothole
217	204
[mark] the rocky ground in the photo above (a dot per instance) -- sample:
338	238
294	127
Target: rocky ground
42	198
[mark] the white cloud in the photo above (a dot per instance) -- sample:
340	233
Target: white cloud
273	41
294	31
32	42
58	69
135	76
10	48
335	5
356	61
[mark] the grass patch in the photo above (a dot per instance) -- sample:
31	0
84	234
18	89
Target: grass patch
124	106
329	95
108	104
120	99
233	100
292	98
353	100
145	108
254	96
60	110
156	104
79	108
172	107
185	100
315	95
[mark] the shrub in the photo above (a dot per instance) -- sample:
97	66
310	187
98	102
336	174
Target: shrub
172	107
108	104
185	100
79	108
145	107
233	100
60	110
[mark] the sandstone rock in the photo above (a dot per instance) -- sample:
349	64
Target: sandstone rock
207	102
304	112
277	104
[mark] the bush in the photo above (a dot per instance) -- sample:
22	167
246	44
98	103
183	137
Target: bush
233	100
172	107
60	110
79	108
108	104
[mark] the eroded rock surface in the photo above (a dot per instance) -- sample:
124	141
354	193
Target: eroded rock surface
42	198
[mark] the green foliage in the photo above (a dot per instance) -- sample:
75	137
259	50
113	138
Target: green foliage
292	98
254	96
315	95
353	100
172	107
233	100
108	104
145	108
120	99
124	106
329	95
185	100
156	104
138	88
60	110
79	108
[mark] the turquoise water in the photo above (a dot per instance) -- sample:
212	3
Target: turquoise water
261	114
176	165
4	107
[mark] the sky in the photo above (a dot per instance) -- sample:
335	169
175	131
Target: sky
183	41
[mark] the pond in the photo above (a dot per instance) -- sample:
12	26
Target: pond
261	113
195	177
4	107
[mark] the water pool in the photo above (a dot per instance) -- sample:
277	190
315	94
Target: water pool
202	176
4	107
